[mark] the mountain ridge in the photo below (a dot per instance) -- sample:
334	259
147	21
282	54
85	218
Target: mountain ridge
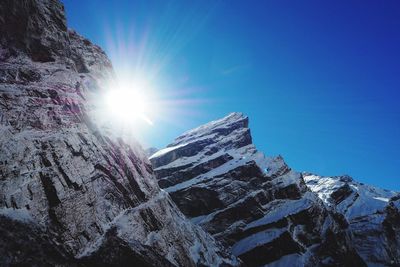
251	202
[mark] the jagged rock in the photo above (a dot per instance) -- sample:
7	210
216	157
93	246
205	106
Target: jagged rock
255	205
372	214
90	192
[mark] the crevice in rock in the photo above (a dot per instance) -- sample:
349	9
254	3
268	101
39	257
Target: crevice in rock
49	190
117	184
70	184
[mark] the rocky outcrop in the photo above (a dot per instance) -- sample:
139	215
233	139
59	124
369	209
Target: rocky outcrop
373	215
88	191
255	205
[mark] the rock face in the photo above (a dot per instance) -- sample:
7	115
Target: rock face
255	205
373	215
79	195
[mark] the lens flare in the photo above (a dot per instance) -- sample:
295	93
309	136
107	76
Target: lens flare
151	90
128	105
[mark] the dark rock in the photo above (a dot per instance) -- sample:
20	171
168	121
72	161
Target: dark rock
116	252
341	194
202	201
37	27
269	252
23	244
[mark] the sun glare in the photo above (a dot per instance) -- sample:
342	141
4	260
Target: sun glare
150	88
128	103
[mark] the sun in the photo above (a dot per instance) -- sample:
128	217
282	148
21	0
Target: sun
128	103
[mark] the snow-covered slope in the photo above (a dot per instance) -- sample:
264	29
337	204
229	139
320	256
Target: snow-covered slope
255	205
74	190
373	215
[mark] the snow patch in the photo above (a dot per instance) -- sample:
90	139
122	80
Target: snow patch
282	210
255	240
164	151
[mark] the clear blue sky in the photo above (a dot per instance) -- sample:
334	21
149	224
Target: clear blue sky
320	80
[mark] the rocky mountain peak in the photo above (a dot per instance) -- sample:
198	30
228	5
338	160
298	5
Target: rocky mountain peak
230	132
233	123
255	205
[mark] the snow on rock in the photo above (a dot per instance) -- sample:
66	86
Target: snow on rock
372	214
62	174
278	210
165	151
150	151
254	204
260	238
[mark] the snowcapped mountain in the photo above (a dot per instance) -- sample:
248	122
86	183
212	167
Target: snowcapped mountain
70	194
372	213
255	205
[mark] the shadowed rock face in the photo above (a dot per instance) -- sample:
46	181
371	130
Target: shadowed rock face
255	205
92	193
24	244
36	27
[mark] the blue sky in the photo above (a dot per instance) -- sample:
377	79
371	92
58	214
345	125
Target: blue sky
320	80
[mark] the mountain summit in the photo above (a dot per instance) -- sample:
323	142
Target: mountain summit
267	213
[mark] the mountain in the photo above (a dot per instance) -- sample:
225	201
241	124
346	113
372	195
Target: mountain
72	193
267	213
372	213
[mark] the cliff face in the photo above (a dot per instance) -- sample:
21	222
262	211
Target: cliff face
88	196
255	205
